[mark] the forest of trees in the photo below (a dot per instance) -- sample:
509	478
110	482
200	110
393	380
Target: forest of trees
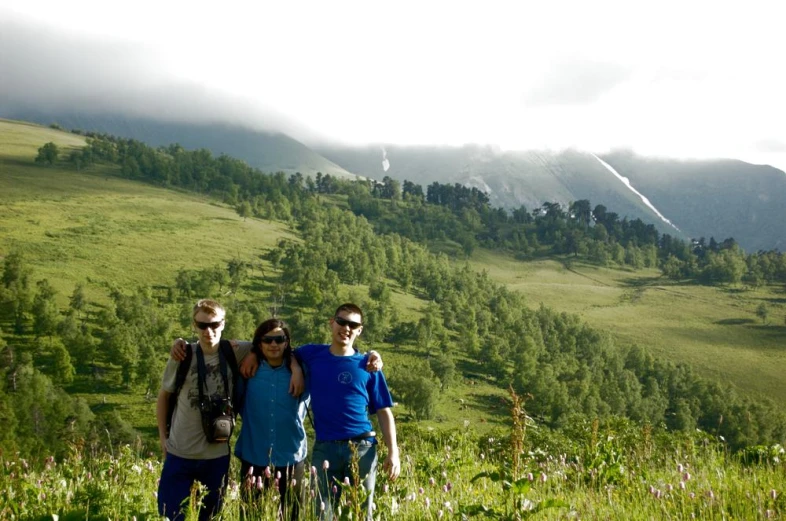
571	370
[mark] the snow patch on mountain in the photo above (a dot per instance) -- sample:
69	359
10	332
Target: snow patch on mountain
626	182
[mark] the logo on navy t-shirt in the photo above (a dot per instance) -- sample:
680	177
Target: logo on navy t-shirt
345	377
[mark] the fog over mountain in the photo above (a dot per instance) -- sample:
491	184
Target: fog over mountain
545	106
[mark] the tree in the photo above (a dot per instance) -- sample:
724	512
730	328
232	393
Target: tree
47	154
762	311
244	210
46	316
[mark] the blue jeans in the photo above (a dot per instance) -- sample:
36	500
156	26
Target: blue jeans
177	477
338	454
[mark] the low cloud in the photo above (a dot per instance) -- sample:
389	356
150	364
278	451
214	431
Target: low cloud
45	69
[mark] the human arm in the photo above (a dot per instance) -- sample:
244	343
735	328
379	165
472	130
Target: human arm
297	383
178	351
374	362
162	408
387	424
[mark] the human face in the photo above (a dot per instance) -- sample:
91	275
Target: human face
209	336
343	334
273	344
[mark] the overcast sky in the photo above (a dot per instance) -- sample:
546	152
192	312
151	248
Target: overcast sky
677	78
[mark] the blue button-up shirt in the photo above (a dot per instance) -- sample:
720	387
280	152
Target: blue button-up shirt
272	431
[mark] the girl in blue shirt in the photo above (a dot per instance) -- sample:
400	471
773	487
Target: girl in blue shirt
272	443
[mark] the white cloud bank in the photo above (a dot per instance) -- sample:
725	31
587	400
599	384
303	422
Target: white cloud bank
680	79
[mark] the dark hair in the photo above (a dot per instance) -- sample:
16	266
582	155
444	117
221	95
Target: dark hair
266	327
349	308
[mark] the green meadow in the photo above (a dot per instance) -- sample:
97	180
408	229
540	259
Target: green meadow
714	329
92	226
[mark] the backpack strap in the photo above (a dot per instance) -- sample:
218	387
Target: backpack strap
180	379
238	392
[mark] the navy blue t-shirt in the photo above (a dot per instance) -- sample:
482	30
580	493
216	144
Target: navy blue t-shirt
343	393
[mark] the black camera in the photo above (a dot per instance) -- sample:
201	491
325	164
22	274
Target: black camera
218	419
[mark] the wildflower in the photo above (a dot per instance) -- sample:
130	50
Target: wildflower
267	472
543	477
385	488
137	469
680	468
278	474
652	489
313	494
482	456
669	487
325	465
346	480
710	494
773	494
450	486
322	504
335	489
427	502
250	470
440	513
658	494
530	477
686	476
444	474
445	489
259	483
294	482
692	495
431	481
527	505
769	514
421	490
682	485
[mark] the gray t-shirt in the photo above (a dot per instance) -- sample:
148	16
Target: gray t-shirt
186	437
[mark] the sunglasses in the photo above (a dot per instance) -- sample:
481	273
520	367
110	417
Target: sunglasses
278	339
344	322
211	325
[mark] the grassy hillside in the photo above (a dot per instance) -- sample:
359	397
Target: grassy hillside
91	226
715	329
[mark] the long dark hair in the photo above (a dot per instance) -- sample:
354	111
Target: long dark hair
266	327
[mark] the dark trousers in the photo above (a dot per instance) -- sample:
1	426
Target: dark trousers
179	475
291	497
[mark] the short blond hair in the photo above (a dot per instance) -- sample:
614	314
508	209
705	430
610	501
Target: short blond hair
209	306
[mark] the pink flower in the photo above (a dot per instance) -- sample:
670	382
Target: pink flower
278	474
680	468
773	494
445	489
421	490
682	485
686	476
267	472
692	495
335	489
325	465
250	470
530	476
431	481
346	480
710	494
427	502
543	477
313	470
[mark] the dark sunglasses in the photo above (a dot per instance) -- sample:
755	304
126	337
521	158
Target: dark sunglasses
211	325
278	339
344	322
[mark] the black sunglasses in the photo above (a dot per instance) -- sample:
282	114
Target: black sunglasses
211	325
278	339
344	322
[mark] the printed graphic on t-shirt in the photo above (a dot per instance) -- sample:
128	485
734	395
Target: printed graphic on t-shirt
345	377
214	388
